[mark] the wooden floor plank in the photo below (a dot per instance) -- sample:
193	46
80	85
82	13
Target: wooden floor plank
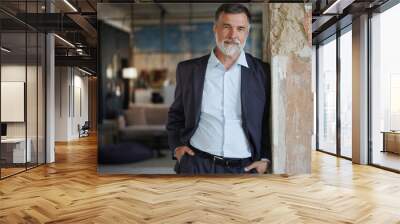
71	191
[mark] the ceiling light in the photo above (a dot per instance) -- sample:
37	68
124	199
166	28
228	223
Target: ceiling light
84	71
338	6
64	40
70	5
331	7
5	50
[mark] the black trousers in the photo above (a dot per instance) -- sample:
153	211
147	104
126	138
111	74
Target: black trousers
199	165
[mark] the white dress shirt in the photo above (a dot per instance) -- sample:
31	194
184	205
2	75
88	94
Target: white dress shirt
220	130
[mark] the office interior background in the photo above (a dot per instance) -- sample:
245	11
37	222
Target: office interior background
29	60
75	63
140	46
50	81
333	71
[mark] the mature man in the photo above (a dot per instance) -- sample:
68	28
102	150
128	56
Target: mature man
219	118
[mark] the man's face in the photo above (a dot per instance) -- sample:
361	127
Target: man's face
231	31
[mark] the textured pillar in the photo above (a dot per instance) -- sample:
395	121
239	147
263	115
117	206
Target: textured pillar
289	52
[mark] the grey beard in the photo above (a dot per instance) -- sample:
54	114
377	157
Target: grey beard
231	49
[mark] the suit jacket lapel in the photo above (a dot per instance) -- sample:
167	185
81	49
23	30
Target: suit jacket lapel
199	74
245	77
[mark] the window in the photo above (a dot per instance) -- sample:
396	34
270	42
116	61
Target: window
346	93
327	97
385	88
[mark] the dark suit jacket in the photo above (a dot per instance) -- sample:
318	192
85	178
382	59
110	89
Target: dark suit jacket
184	113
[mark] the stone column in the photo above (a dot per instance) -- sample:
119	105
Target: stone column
289	52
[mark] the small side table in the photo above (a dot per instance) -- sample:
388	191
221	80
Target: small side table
391	141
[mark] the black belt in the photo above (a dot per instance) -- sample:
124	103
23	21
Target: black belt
228	162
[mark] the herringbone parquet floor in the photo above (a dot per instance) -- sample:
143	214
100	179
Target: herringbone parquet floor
71	191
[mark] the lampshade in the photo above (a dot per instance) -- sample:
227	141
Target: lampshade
129	73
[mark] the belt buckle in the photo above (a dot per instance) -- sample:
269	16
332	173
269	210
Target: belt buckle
218	157
225	162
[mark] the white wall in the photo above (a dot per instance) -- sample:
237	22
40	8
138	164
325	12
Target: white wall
79	117
71	87
61	103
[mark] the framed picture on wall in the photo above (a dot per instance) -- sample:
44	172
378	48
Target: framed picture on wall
12	101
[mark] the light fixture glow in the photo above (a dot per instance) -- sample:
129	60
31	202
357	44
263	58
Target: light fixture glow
65	41
129	73
70	5
5	50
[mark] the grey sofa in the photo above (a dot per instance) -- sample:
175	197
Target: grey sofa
144	123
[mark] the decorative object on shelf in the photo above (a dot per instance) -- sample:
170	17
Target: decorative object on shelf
156	98
157	78
143	80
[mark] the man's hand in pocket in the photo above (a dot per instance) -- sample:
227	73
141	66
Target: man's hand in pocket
180	151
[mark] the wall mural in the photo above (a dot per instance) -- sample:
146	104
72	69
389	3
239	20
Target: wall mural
197	38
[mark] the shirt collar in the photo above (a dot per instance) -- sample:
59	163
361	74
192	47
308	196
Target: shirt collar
240	61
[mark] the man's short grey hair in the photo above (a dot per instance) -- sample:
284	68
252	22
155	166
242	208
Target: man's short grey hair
233	8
